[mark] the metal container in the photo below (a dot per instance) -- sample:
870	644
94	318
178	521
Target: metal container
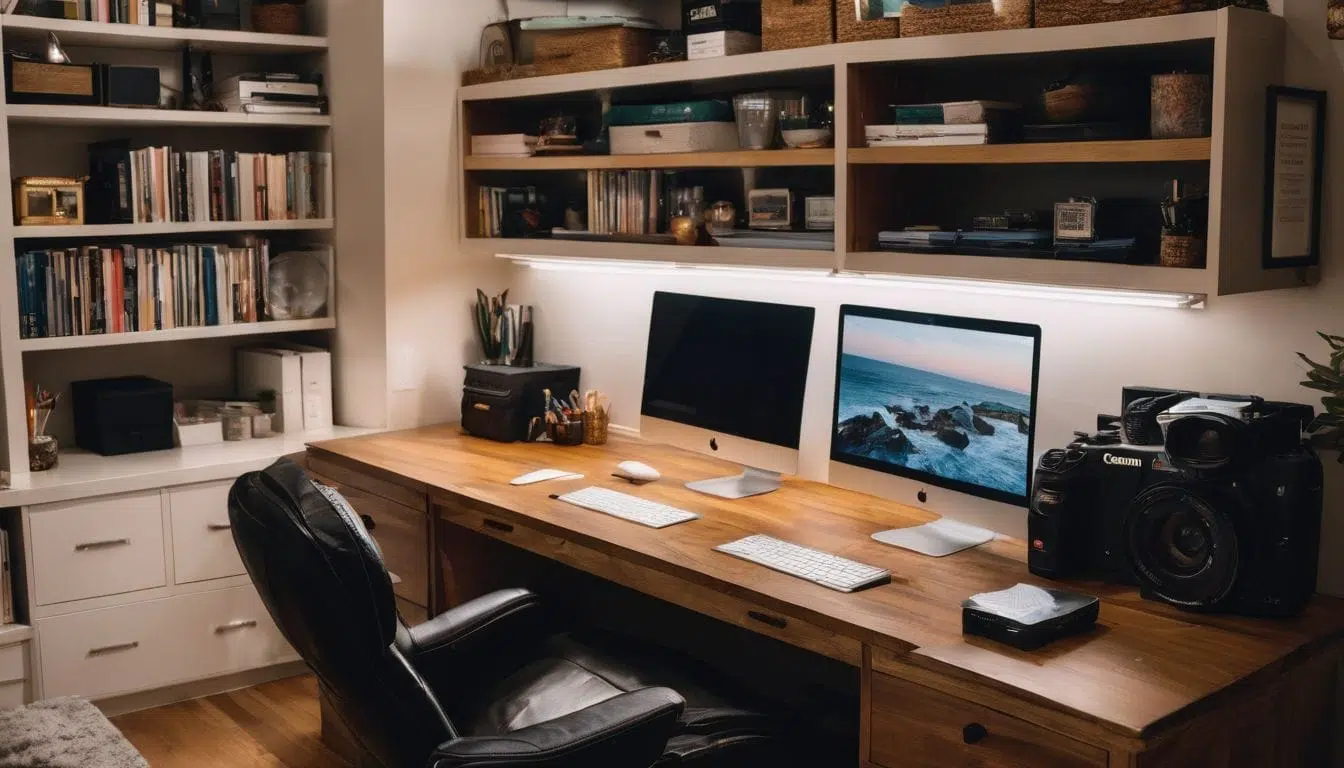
757	120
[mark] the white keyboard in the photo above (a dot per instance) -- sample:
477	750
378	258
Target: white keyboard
627	507
812	565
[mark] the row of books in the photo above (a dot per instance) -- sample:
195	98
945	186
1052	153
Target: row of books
629	202
160	184
948	123
125	289
142	12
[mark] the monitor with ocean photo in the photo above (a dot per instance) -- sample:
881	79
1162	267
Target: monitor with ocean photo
947	401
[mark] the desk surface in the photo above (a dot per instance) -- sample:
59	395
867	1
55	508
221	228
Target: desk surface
1145	665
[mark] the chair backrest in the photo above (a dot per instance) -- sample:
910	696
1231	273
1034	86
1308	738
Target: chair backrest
322	578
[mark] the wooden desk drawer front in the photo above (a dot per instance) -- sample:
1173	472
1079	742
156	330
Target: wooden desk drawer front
917	727
336	474
402	534
104	546
758	619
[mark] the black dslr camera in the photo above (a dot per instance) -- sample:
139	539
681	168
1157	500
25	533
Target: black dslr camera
1210	503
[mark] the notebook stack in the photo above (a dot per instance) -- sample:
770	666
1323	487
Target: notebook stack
504	145
273	93
950	123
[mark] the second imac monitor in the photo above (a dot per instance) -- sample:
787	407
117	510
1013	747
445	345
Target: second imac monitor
727	378
937	412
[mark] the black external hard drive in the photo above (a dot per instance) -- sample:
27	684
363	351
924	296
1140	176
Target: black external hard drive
1028	617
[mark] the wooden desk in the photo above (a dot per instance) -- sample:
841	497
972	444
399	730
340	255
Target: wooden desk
1151	687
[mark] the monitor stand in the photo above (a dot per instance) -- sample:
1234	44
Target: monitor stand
752	482
940	538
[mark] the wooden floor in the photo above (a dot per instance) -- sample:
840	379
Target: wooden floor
271	726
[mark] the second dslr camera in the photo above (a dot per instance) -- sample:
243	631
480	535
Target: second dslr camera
1208	503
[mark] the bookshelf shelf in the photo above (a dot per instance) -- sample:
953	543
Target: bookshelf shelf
784	258
99	35
176	334
1077	274
42	114
169	228
1142	151
771	158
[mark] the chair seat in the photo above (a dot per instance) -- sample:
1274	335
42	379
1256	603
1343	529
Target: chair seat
571	673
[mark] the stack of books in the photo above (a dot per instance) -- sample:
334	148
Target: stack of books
127	288
950	123
629	202
504	145
142	12
170	186
273	93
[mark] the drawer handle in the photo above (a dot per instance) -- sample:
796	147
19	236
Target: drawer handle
974	733
765	618
219	526
234	626
498	526
368	522
92	545
118	648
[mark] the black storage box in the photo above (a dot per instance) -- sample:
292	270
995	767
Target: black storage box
1010	618
498	401
113	417
701	16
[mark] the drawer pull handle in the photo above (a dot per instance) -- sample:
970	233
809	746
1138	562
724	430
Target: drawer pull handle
974	733
118	648
765	618
498	526
368	522
234	626
219	526
92	545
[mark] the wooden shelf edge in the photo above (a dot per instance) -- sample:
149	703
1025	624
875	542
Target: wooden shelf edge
769	158
176	334
780	258
169	228
77	115
1136	151
91	33
1049	272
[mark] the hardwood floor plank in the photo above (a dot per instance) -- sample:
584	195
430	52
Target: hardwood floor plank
276	725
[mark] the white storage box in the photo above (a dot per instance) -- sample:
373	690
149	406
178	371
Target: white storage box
673	137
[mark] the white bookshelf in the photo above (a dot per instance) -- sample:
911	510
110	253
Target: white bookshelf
91	341
98	35
170	228
44	114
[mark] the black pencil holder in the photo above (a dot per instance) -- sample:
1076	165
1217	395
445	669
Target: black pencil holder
565	432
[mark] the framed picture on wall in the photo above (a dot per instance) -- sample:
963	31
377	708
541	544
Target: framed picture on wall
1294	162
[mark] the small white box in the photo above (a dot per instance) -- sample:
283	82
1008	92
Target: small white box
673	137
710	45
206	433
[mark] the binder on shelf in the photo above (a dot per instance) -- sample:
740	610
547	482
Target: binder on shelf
315	369
280	371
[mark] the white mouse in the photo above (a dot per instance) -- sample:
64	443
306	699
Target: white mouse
636	472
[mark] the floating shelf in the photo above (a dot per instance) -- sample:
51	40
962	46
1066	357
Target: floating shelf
768	158
169	228
784	258
43	114
99	35
1055	272
1140	151
176	334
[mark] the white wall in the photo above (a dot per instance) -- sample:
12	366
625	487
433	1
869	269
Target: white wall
599	321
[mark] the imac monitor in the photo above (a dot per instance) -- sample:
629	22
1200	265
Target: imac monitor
937	411
726	378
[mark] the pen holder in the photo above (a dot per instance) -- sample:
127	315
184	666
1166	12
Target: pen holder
1186	251
595	427
43	453
565	432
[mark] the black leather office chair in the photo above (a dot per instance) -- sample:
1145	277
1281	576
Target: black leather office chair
485	684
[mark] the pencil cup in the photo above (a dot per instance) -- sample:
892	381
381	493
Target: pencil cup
43	453
1182	251
595	427
565	432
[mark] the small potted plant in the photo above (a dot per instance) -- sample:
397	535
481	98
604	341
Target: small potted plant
1327	431
282	17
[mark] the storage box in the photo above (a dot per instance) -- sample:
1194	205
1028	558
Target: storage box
1059	13
850	29
707	111
721	27
673	137
953	17
563	51
499	401
114	417
797	23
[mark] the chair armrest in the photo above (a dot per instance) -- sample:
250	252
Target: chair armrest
631	729
478	624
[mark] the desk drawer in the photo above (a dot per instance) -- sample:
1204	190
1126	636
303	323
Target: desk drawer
743	613
157	643
402	534
917	727
339	475
103	546
203	547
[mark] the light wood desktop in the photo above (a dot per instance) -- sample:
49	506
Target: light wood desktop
1151	686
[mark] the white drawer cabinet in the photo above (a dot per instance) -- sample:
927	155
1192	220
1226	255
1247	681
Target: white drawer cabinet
157	643
203	547
103	546
14	676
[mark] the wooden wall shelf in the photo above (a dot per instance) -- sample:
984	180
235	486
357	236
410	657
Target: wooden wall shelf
1141	151
771	158
783	258
100	35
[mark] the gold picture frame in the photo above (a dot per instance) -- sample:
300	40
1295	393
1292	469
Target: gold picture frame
43	201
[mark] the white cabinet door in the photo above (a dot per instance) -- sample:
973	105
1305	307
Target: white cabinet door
203	547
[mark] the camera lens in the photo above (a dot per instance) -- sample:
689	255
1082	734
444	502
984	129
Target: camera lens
1183	545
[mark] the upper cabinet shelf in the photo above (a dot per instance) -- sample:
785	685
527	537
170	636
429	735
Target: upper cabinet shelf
1139	151
68	115
99	35
769	158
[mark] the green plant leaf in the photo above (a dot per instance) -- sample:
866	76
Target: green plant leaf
1334	405
1335	342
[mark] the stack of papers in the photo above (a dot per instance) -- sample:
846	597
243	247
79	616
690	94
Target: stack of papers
504	145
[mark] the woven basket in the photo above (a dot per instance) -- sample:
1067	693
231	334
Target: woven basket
557	52
1184	251
511	72
278	18
849	29
966	17
1059	13
797	23
595	427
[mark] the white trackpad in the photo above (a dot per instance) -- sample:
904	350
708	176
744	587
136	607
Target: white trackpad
937	539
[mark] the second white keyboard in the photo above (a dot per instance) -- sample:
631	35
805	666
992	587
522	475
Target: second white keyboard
808	564
627	507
